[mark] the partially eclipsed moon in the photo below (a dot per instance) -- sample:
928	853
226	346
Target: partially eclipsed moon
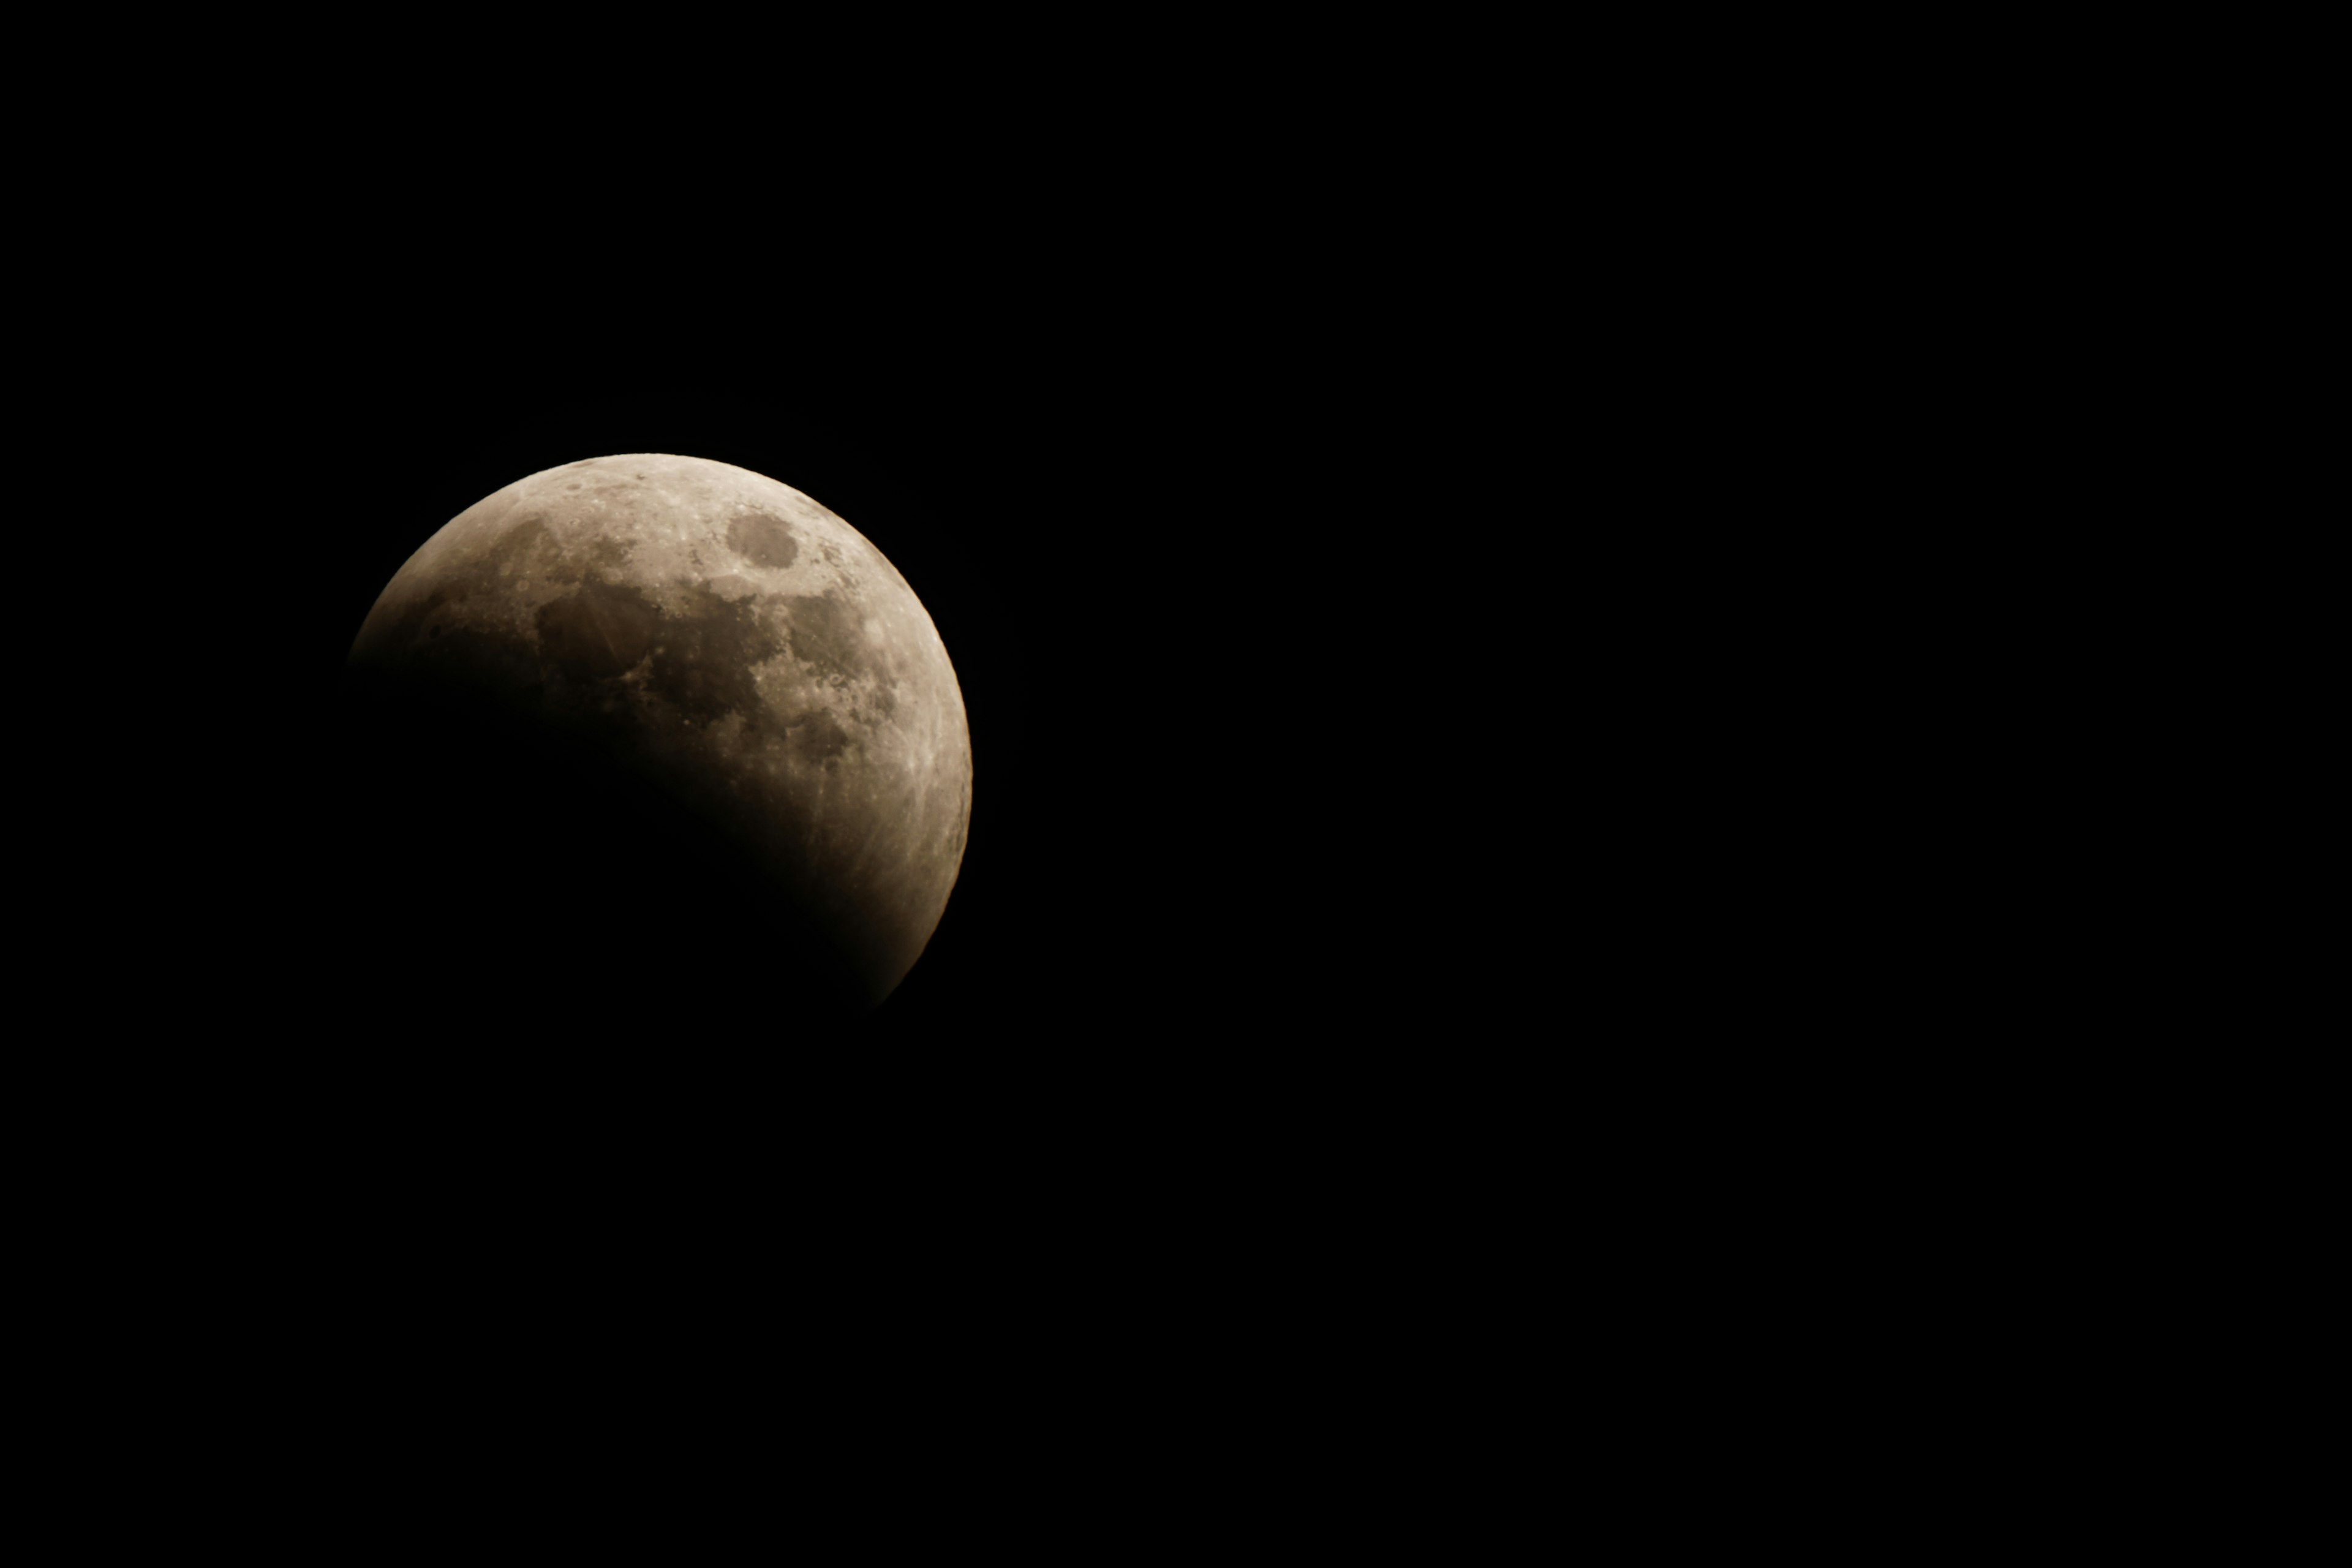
735	643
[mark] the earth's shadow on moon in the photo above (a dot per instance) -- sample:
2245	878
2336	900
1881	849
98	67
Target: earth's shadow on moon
526	909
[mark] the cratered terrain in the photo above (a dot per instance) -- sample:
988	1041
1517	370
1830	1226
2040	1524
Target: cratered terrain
716	684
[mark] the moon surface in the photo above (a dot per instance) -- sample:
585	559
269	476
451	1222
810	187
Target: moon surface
743	655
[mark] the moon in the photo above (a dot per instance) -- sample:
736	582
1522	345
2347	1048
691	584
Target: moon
744	657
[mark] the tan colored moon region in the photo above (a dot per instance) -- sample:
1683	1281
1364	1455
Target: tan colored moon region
739	646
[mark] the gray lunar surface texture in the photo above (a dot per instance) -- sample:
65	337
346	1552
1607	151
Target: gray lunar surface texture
737	644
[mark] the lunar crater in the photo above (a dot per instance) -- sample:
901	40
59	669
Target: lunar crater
765	540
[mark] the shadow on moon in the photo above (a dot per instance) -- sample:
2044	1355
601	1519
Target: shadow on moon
523	883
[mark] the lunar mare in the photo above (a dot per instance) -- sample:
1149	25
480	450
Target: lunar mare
732	641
